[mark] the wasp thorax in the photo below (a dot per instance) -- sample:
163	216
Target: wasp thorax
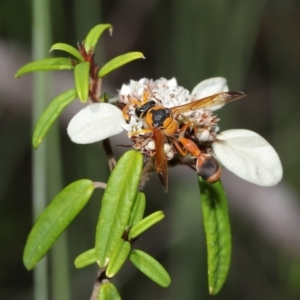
159	115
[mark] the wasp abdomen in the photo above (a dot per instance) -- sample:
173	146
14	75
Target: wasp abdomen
208	168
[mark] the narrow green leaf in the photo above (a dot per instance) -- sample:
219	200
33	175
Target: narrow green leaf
146	223
217	230
47	64
119	61
93	36
150	267
54	220
50	114
118	257
82	80
138	209
108	292
68	48
116	205
85	259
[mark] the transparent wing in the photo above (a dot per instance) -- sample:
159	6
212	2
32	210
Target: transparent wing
207	102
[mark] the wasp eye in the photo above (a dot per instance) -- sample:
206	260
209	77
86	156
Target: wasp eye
141	110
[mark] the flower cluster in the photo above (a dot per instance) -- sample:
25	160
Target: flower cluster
168	94
241	151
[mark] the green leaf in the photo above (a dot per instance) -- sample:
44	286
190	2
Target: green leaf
217	230
50	114
85	259
119	61
93	36
150	267
146	223
118	257
82	80
54	220
68	48
117	203
138	209
108	292
47	64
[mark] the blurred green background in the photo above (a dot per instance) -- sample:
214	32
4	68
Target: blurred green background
255	45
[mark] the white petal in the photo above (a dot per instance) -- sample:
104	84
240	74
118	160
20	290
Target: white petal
127	127
125	90
249	156
210	87
95	122
172	82
142	81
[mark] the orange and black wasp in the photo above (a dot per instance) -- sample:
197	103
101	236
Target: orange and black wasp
163	124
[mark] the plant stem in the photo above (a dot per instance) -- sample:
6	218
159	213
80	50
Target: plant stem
40	46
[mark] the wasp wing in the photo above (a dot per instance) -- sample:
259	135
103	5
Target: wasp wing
161	165
207	102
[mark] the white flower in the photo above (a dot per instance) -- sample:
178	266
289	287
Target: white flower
165	92
241	151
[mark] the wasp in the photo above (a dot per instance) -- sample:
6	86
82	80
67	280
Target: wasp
170	125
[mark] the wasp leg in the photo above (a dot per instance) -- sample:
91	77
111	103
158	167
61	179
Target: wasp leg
190	146
140	132
184	127
179	148
145	97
